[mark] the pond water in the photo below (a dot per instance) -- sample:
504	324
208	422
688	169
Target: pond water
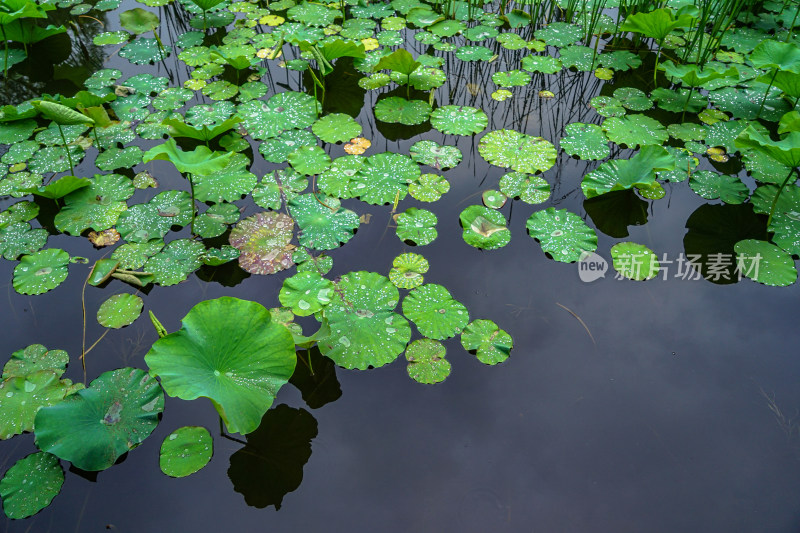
662	405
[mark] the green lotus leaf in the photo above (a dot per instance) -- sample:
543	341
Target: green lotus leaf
764	167
562	234
484	228
695	76
34	358
712	185
111	37
771	53
426	362
335	128
512	41
19	238
205	5
582	58
398	61
687	131
384	178
634	261
60	114
185	451
200	132
638	171
114	158
656	24
586	141
679	100
277	187
425	79
175	261
95	426
138	21
447	28
635	130
214	222
323	224
459	120
398	110
434	311
621	60
41	271
283	111
491	344
364	331
651	191
150	221
134	255
428	187
31	484
230	351
321	264
376	81
277	149
97	206
336	180
263	240
18	212
225	185
511	78
60	187
220	256
435	155
633	99
309	160
407	270
724	134
607	106
560	34
786	151
518	151
200	161
306	293
529	189
120	310
417	226
143	51
22	396
544	64
494	199
765	263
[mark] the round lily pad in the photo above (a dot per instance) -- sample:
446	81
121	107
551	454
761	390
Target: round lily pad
459	120
494	199
635	130
428	187
417	226
119	310
263	240
491	344
322	222
765	263
434	311
562	234
41	271
426	362
95	426
31	484
19	238
384	178
185	451
306	293
529	189
33	358
518	151
634	261
336	128
544	64
175	261
154	219
484	228
712	185
511	78
435	155
277	149
586	141
407	270
309	160
633	99
398	110
22	396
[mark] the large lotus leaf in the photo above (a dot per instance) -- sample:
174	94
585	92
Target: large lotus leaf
491	344
41	271
656	24
635	130
95	426
323	223
200	132
586	141
765	263
407	270
384	178
582	58
22	396
60	114
133	255
97	206
435	155
18	239
283	111
309	160
771	53
175	261
364	331
60	187
185	451
696	76
336	127
425	79
277	149
263	240
150	221
786	151
34	358
484	228
634	261
120	310
398	110
434	311
225	185
764	167
199	161
31	484
518	151
679	100
638	171
417	226
399	61
306	293
712	185
562	234
230	351
426	362
459	120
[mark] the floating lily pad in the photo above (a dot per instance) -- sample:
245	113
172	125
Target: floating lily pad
544	64
306	293
336	127
484	228
283	111
278	187
633	99
560	34
214	222
435	155
34	358
511	78
562	234
638	171
120	310
407	270
384	178
459	120
175	261
634	261
143	51
635	130
494	199
426	362
491	344
398	110
587	141
220	256
434	311
417	226
277	149
712	185
529	189
263	240
95	426
323	224
309	160
226	185
518	151
22	396
765	263
428	187
607	106
133	255
185	451
31	484
97	206
19	238
230	351
41	271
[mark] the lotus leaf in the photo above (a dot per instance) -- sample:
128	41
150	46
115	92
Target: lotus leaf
134	255
384	178
434	311
226	185
309	160
277	187
639	171
459	120
621	60
425	79
633	99
263	240
484	228
494	199
607	106
120	310
19	238
491	344
336	180
150	221
97	206
786	151
634	261
321	264
435	155
679	100
60	114
428	187
41	271
323	224
200	161
95	426
185	451
529	189
545	64
283	111
138	21
407	270
143	51
635	130
34	358
518	151
582	58
426	362
214	222
765	263
175	261
398	110
711	185
277	149
417	226
586	141
336	128
512	78
560	34
562	234
306	293
219	256
21	396
31	484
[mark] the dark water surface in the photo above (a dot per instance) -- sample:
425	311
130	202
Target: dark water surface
678	409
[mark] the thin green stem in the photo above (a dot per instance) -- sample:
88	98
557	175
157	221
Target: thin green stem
763	100
778	195
66	148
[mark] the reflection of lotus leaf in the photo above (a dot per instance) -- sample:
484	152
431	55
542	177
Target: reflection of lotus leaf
765	263
185	451
323	224
306	293
518	151
634	261
491	343
31	484
95	426
407	270
434	311
426	362
459	120
417	226
263	240
364	329
41	271
230	351
484	228
384	178
562	234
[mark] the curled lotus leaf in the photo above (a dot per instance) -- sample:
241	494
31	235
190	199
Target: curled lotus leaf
491	344
263	240
484	228
322	222
95	426
434	311
41	271
518	151
562	234
228	350
185	451
634	261
31	484
306	293
459	120
426	362
407	270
